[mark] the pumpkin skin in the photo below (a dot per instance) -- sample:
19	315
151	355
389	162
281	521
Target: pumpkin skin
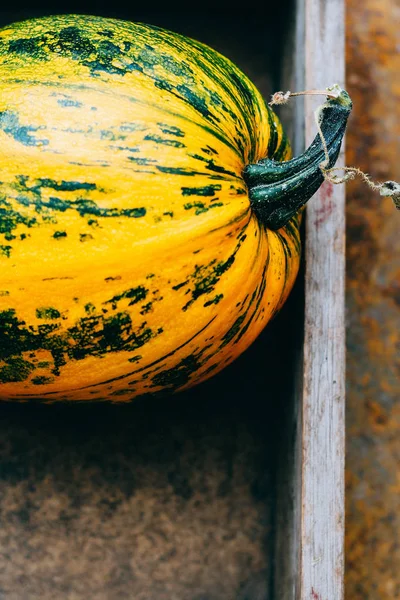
130	259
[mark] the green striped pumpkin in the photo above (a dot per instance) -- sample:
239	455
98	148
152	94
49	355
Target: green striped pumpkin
147	232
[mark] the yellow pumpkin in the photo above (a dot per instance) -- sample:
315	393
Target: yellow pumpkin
148	232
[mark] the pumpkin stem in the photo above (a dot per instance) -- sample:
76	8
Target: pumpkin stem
283	97
277	190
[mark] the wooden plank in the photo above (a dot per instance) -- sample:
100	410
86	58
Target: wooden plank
323	390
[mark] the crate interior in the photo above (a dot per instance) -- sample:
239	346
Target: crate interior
172	498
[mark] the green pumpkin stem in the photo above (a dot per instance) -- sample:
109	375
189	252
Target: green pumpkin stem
277	190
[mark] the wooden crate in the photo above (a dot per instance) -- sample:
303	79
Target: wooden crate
234	490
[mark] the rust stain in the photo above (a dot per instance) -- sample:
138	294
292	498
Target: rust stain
373	305
393	290
314	595
326	204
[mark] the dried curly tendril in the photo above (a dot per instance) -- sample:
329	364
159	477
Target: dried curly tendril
387	188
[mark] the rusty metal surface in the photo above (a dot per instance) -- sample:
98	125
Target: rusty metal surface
373	305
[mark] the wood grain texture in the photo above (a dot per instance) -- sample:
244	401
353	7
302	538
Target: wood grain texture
310	480
322	518
373	305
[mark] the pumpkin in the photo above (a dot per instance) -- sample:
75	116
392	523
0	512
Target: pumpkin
148	230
